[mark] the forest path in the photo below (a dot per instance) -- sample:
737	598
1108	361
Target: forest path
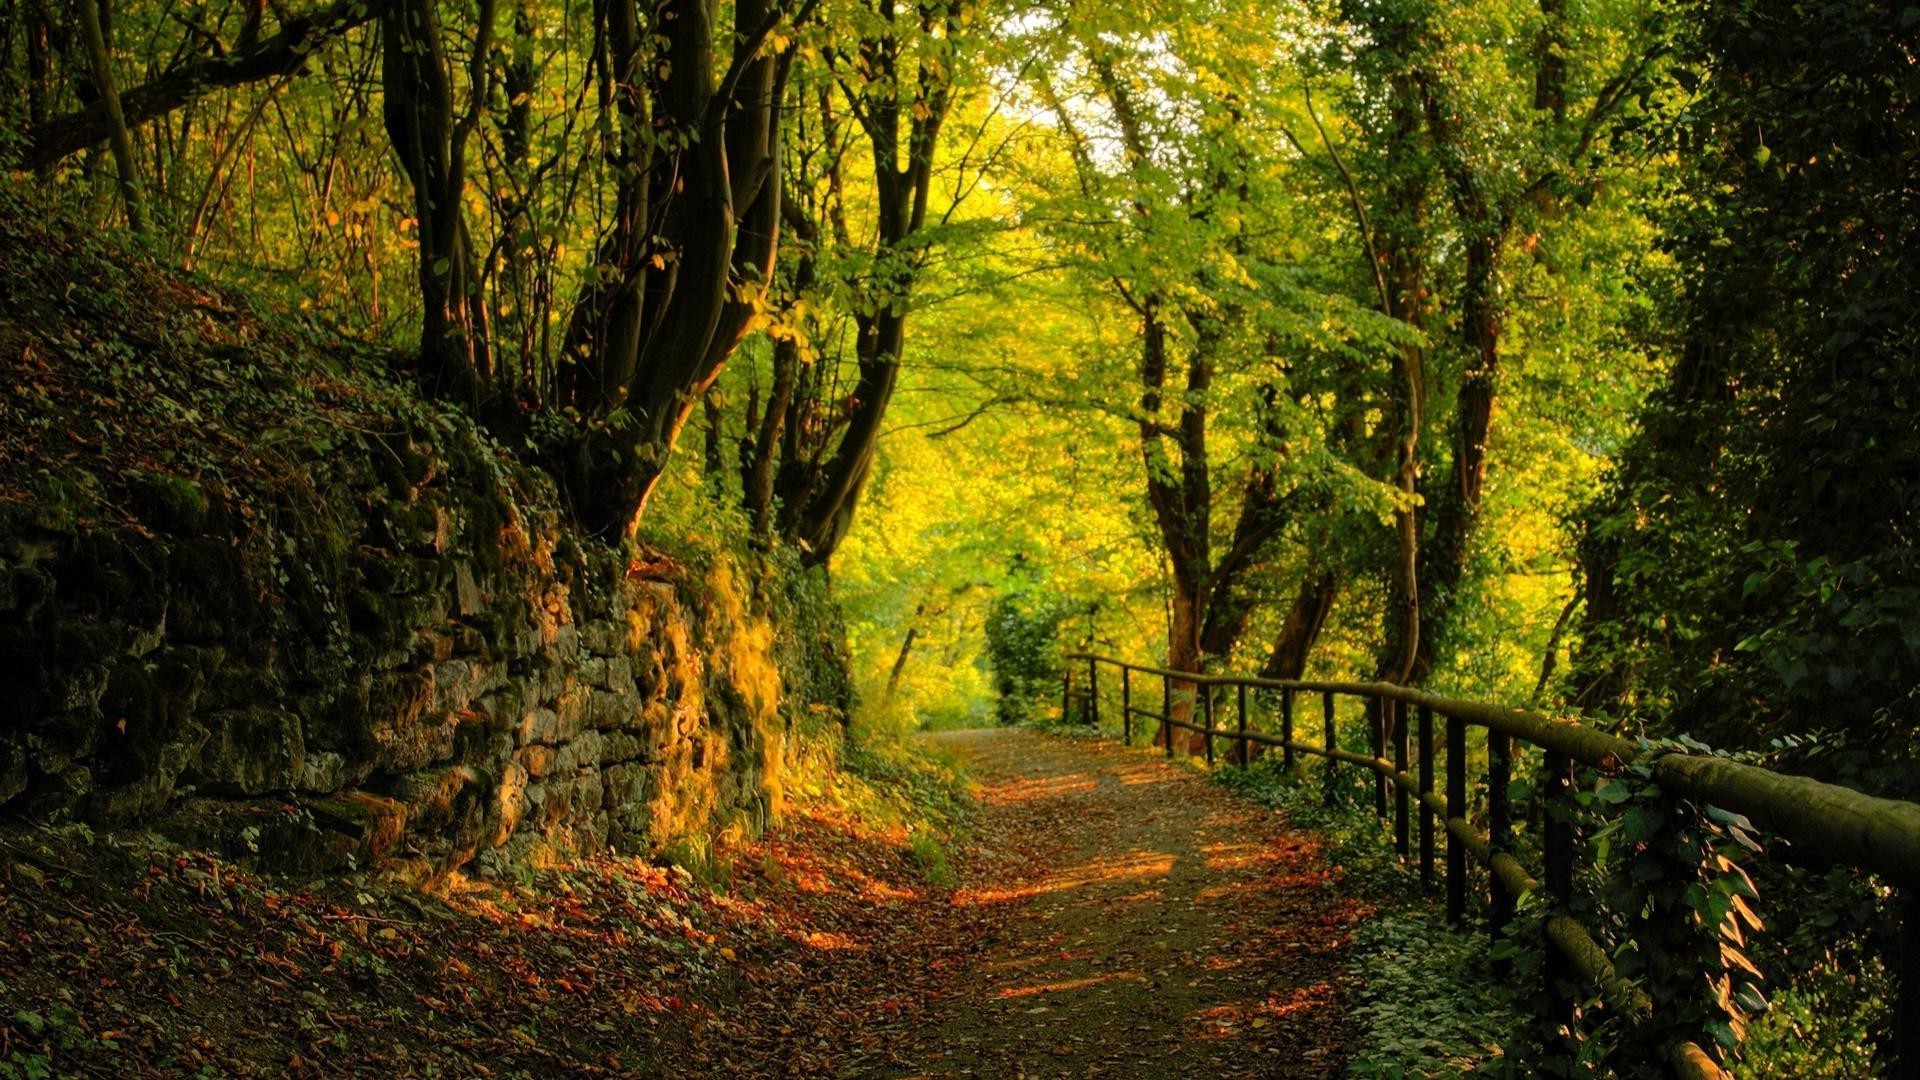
1145	922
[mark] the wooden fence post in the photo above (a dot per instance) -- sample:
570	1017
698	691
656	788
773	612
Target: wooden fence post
1286	730
1093	692
1402	841
1499	835
1166	711
1066	693
1906	1007
1332	777
1206	713
1456	808
1426	789
1126	705
1243	747
1376	719
1557	844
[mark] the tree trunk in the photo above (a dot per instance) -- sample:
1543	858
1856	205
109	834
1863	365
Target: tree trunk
100	61
430	143
653	327
1183	654
1300	631
1455	506
900	661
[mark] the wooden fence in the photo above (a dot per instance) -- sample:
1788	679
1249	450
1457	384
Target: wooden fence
1846	826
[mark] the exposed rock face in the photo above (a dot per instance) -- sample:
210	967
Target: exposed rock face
411	658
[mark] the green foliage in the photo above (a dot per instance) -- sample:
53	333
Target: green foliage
1754	553
910	783
1673	892
1428	1006
1023	643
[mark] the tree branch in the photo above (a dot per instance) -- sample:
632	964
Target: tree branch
285	53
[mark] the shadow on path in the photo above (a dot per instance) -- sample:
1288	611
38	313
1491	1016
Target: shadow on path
1144	923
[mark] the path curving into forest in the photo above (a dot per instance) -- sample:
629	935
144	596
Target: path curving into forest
1144	922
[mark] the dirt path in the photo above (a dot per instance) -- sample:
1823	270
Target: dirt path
1114	916
1144	923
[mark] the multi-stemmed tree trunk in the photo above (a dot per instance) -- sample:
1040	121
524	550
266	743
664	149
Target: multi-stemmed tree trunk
810	449
430	140
1208	604
693	237
1488	206
695	159
1426	150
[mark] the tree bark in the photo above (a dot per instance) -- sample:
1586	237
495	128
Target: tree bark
431	145
893	122
1455	503
1300	631
900	661
1406	411
697	213
100	62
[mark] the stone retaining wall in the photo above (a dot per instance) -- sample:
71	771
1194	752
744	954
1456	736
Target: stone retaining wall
409	658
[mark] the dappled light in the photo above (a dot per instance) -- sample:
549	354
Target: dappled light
962	538
1140	921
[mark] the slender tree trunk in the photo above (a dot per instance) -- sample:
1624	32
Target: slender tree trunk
39	46
758	484
900	661
1455	505
1300	631
713	455
100	60
1183	654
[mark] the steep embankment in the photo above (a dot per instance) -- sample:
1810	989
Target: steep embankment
255	590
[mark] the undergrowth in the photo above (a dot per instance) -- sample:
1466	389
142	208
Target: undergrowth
1426	999
906	791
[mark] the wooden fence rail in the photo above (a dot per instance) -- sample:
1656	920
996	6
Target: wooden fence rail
1848	826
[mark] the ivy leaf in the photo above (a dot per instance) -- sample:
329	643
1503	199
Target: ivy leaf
1643	823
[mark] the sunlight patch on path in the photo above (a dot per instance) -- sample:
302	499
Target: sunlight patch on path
1153	925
